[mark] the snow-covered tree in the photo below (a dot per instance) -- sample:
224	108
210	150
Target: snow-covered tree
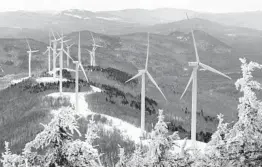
216	152
157	150
240	145
137	158
245	138
122	158
55	145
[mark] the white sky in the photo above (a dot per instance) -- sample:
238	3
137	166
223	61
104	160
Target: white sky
216	6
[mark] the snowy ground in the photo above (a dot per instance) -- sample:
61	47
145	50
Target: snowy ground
16	81
129	130
126	128
49	80
199	146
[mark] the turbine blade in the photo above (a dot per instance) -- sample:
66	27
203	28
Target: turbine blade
71	45
53	34
190	80
79	48
68	55
2	69
213	70
46	51
147	53
154	82
83	71
99	46
28	44
137	75
58	34
49	35
194	41
66	40
89	51
93	38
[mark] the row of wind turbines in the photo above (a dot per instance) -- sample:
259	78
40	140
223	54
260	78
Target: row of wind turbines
141	73
59	52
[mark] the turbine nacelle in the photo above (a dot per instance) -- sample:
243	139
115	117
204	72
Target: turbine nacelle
75	62
193	64
32	51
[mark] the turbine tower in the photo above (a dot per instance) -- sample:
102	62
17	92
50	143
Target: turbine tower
29	57
91	56
68	52
55	41
193	78
48	50
61	63
78	64
95	46
143	74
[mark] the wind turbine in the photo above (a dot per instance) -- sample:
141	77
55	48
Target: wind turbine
49	48
193	78
29	57
55	41
68	51
78	64
91	56
61	63
2	69
143	74
95	46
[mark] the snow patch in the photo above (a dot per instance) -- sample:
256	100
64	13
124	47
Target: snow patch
179	37
189	147
49	80
72	15
96	89
16	81
231	35
129	130
109	18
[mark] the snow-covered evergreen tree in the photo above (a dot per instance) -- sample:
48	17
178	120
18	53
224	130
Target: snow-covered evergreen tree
216	152
240	145
9	159
137	158
55	145
245	138
159	148
122	158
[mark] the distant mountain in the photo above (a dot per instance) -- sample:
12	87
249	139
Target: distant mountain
122	21
242	19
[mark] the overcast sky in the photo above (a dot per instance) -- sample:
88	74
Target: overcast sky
216	6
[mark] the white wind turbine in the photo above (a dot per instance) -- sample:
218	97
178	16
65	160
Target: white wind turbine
48	50
68	52
61	62
193	78
91	56
95	46
78	64
55	41
143	74
30	57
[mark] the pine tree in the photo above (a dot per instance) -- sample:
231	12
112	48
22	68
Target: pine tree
240	145
55	146
137	159
216	152
245	138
